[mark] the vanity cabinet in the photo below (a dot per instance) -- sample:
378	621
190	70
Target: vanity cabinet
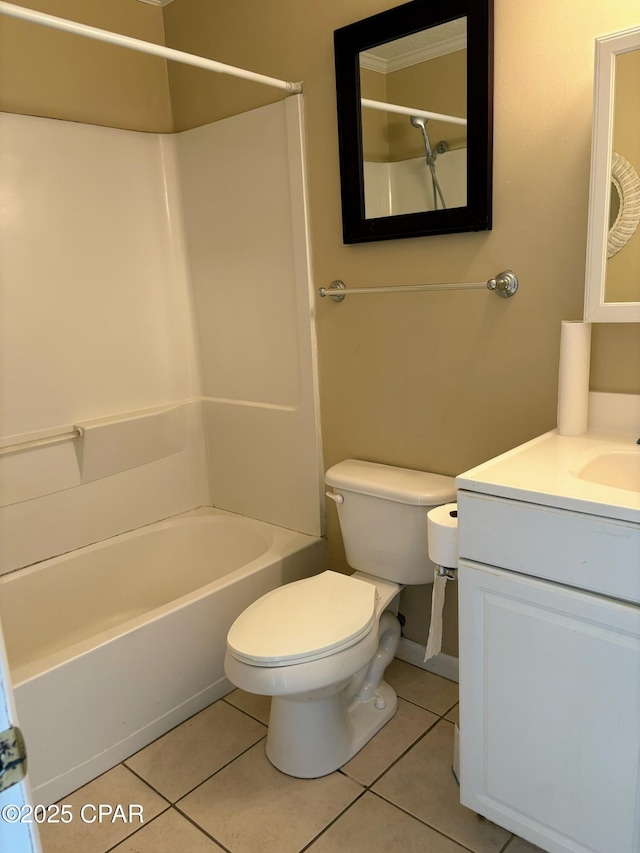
549	604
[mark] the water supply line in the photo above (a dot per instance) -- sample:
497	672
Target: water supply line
388	640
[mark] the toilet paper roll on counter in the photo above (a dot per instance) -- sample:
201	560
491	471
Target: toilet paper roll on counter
442	538
573	377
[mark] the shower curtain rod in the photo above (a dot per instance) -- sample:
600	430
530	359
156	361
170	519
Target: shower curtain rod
74	27
410	111
504	284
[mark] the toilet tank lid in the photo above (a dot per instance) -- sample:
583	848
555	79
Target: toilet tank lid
403	485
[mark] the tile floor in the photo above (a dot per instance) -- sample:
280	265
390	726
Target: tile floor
207	786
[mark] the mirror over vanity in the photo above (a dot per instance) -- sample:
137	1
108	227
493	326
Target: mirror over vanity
414	98
612	292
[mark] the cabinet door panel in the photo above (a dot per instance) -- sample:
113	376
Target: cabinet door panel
550	711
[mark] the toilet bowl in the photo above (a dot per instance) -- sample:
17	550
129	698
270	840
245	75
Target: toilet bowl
325	674
319	647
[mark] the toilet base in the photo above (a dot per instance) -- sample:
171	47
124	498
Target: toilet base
338	731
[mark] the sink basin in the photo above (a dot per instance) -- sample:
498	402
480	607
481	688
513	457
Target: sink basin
617	468
597	473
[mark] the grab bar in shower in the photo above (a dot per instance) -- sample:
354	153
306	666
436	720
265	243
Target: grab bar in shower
43	441
504	284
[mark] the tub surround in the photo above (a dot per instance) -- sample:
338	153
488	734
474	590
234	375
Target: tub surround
140	334
98	320
254	325
72	514
100	448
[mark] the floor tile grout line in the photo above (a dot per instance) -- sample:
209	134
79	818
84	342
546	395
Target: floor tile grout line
424	707
508	842
224	766
173	728
191	790
62	800
448	711
136	831
172	807
242	710
408	749
149	785
424	822
215	701
334	820
202	830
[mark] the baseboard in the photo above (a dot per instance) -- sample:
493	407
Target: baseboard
412	652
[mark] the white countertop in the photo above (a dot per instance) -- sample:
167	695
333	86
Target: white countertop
544	471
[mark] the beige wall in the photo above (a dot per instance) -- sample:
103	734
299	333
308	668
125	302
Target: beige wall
270	38
437	381
45	72
442	381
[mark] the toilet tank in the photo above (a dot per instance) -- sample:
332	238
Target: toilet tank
383	517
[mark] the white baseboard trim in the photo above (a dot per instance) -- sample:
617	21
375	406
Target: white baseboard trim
412	652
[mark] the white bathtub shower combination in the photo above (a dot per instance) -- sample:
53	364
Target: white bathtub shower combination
188	363
113	644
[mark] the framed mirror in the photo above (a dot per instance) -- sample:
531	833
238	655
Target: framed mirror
612	291
415	120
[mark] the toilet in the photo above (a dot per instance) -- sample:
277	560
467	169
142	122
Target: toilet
319	646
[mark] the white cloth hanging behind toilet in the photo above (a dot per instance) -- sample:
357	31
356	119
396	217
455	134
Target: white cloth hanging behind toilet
434	641
442	538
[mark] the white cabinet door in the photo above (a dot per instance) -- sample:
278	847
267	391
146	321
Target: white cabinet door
550	711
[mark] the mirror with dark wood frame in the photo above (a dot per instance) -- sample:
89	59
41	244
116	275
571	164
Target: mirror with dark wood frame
415	120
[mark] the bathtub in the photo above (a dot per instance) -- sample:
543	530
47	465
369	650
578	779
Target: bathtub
112	645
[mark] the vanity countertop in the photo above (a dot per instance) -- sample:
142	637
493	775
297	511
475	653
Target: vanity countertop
597	473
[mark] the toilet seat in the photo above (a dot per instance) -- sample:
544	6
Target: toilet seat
304	621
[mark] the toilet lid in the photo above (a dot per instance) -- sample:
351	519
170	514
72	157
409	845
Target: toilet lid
304	620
